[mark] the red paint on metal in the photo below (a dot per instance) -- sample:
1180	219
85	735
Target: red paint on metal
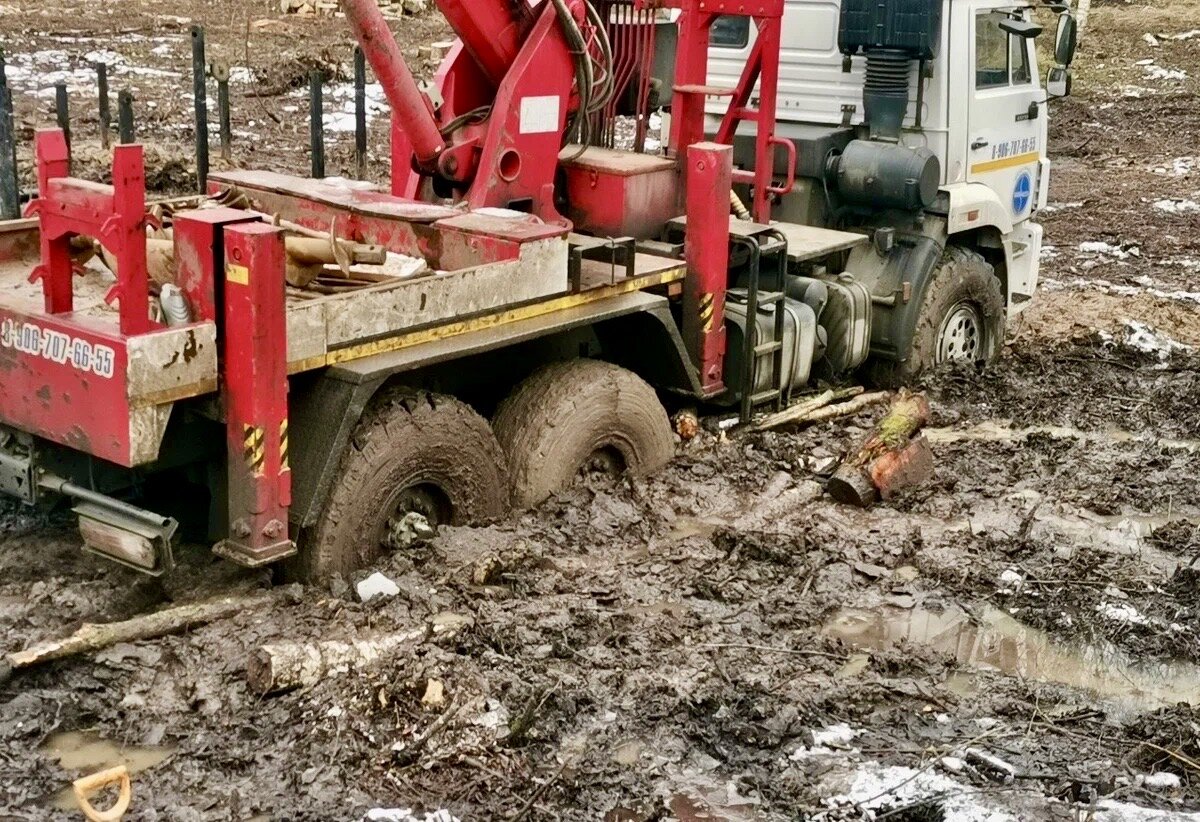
760	77
490	32
621	194
199	257
706	248
254	372
410	107
64	380
115	215
446	238
528	119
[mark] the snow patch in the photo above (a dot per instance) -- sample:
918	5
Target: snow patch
1153	71
1121	252
339	112
407	815
1010	582
1178	206
1160	780
840	735
1150	341
1121	613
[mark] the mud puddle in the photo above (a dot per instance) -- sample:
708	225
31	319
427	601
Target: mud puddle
87	753
996	641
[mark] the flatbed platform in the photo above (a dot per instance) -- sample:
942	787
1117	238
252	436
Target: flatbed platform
805	242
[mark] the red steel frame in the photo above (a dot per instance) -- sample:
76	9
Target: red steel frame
761	70
115	215
518	65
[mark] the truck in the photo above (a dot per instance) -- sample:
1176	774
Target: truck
308	373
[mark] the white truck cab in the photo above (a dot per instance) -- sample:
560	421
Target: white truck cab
978	105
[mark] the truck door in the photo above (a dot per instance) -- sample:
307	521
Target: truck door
1007	117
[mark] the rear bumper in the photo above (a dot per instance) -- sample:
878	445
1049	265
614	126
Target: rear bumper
110	527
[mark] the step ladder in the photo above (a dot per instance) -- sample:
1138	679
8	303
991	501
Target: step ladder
762	242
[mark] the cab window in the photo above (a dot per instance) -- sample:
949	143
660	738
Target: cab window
730	32
1001	59
1019	60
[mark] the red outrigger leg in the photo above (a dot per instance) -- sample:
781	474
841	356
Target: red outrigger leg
255	393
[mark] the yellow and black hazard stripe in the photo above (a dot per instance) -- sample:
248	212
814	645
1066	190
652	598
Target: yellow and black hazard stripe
283	447
706	311
255	452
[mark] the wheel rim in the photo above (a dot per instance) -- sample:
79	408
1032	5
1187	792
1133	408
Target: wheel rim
607	460
961	334
425	499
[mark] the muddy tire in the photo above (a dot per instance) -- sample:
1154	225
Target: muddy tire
412	451
574	416
961	317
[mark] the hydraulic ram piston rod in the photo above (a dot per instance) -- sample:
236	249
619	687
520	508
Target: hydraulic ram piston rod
409	106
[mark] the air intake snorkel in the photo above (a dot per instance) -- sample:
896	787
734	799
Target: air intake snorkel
892	35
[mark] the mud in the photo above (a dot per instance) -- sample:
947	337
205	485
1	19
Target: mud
1015	640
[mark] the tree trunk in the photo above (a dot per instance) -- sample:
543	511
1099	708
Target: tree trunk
286	665
890	460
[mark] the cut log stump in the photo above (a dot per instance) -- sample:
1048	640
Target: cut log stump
892	459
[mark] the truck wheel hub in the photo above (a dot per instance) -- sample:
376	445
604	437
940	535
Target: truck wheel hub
961	334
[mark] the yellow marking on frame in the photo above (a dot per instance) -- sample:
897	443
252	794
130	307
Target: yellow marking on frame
239	274
283	447
1007	162
254	450
526	312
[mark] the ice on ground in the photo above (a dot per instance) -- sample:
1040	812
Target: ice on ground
1178	206
1153	71
1126	290
1053	207
876	789
1160	780
1011	581
1180	167
840	735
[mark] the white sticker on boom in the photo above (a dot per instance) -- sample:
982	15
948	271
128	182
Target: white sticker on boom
539	115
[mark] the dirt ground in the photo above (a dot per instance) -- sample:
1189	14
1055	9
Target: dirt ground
1017	640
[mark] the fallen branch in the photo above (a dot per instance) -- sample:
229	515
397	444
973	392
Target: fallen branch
845	409
92	637
287	665
802	410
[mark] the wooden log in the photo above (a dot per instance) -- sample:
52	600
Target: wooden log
890	460
92	637
284	666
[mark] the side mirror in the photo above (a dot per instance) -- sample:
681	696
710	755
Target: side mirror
1058	82
1067	40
